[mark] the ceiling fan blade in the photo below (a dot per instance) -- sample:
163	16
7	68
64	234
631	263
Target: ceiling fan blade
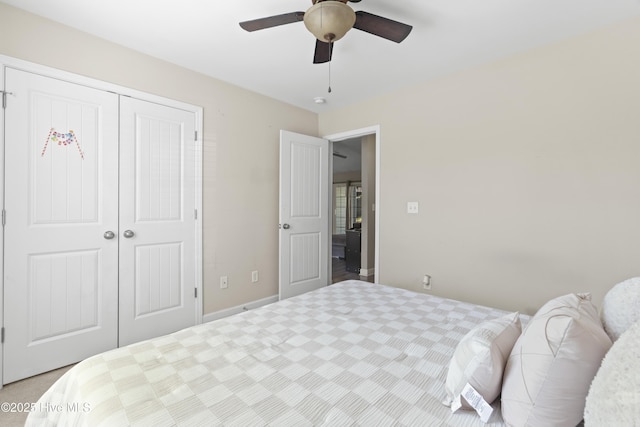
272	21
382	27
323	52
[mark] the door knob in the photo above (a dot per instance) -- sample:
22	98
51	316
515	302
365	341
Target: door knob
109	235
128	234
286	226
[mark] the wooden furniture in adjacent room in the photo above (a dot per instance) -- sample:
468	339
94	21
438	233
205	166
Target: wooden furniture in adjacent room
352	253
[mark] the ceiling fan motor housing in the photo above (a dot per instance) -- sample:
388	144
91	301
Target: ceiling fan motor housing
329	20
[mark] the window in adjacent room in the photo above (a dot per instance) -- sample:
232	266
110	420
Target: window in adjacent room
340	208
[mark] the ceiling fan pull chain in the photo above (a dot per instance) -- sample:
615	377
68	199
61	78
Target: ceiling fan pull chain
329	91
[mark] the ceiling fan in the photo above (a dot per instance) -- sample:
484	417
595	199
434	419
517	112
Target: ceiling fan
329	21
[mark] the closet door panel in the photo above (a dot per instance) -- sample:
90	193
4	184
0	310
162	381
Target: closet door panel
157	196
61	196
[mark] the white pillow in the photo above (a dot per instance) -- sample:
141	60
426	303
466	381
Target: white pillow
614	396
552	364
621	307
480	358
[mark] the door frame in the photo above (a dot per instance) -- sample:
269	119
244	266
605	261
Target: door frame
7	61
355	133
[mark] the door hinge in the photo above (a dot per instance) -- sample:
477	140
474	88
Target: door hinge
2	335
195	214
196	134
4	217
195	292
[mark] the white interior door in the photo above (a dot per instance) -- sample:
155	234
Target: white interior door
157	220
304	215
61	197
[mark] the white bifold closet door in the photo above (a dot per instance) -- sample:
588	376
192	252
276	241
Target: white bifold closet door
61	196
100	231
157	220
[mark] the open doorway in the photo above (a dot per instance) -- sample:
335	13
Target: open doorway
353	201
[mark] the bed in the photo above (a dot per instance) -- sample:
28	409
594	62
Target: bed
353	353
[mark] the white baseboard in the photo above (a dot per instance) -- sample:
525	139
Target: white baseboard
367	272
238	309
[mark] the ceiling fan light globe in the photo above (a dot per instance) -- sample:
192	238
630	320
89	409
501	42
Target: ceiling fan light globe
329	20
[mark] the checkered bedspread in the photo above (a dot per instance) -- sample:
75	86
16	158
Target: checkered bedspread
353	353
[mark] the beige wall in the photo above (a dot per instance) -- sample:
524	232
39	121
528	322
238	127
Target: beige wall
241	146
527	171
347	176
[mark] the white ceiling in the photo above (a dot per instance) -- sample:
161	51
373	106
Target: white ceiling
352	150
447	36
